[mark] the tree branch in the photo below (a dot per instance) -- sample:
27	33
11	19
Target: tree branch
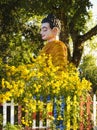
89	34
78	45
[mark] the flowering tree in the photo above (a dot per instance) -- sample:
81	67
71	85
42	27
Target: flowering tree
73	14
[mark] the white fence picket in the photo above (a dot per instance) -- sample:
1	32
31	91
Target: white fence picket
12	112
4	114
34	123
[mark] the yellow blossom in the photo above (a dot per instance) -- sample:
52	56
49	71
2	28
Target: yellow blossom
3	83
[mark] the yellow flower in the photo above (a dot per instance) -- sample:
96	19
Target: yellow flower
60	118
37	89
25	100
49	107
3	83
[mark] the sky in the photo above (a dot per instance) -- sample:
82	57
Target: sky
94	9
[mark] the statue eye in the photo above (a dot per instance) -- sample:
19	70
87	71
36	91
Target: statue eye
44	30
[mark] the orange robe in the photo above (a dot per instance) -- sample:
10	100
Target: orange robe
58	51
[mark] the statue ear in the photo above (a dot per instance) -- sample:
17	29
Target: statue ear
56	30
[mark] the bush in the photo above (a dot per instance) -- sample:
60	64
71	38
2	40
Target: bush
27	83
12	127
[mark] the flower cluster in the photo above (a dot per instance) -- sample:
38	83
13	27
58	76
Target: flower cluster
31	84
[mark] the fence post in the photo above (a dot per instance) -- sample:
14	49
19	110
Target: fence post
94	110
88	105
34	120
49	111
68	102
62	127
55	110
19	114
81	114
40	114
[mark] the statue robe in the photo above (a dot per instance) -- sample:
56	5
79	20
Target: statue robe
58	51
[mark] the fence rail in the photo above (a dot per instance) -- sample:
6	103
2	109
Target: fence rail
89	104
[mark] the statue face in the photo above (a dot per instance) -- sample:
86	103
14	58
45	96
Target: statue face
46	32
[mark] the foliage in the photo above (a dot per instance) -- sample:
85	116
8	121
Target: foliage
27	83
89	70
12	127
21	43
1	119
73	15
19	28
